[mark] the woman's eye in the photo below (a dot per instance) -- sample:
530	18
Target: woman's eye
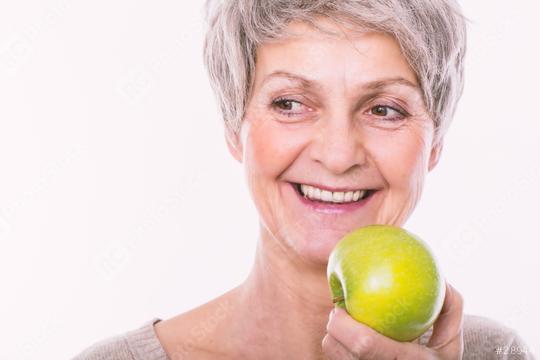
289	106
387	112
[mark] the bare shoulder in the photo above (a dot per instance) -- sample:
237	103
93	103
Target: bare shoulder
486	338
196	333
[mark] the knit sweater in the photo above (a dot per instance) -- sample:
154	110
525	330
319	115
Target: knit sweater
484	339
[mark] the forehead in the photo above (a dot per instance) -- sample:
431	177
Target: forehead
334	55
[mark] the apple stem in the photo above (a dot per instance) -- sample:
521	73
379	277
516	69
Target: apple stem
338	299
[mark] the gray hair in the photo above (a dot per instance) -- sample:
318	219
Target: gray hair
431	34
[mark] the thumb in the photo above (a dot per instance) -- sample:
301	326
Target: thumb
447	330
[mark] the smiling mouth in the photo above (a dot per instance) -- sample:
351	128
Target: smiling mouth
328	197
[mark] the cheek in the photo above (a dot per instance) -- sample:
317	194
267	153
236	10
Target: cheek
401	157
270	149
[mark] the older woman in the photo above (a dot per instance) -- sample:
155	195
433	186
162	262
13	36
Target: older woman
337	110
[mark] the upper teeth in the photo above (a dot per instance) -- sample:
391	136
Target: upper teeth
331	196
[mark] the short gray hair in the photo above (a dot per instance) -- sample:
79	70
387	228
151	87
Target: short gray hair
431	34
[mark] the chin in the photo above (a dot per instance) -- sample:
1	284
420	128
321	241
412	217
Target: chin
315	249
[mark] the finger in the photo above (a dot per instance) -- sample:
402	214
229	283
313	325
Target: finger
447	330
366	343
334	350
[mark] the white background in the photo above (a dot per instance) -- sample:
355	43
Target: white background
120	203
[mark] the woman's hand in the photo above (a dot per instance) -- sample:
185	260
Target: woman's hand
347	339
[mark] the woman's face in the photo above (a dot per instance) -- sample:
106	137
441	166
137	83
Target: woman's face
343	115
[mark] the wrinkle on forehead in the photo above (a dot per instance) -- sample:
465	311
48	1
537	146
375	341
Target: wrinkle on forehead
328	30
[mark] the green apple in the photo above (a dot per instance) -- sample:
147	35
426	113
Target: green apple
388	279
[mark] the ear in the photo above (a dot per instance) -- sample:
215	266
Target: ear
435	154
234	144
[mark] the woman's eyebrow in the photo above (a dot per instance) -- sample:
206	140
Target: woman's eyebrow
306	83
382	83
297	79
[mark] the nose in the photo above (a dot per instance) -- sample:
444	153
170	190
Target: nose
338	145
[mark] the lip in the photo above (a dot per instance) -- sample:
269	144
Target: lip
329	208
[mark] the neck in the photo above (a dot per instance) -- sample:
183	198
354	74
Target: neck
287	297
